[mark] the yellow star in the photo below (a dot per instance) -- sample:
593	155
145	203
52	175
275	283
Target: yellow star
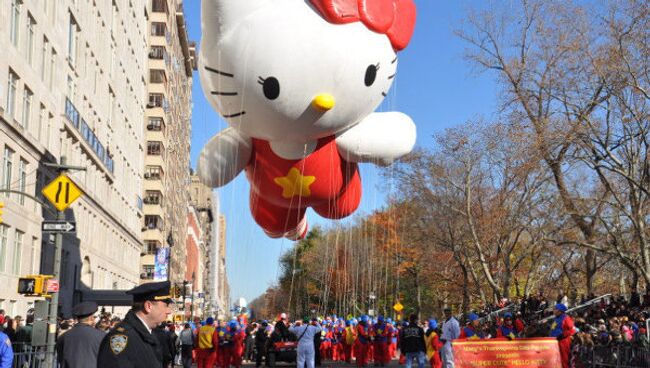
294	184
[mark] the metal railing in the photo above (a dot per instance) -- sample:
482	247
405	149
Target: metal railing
27	356
623	356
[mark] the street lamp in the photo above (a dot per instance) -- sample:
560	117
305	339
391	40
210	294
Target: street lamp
371	308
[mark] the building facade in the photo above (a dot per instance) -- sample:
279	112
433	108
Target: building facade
221	292
73	83
211	288
171	60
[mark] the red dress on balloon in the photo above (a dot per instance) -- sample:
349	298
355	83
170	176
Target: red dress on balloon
282	190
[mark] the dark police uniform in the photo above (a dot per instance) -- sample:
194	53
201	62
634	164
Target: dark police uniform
130	344
78	348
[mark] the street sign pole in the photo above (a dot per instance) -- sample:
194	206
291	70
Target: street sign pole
54	302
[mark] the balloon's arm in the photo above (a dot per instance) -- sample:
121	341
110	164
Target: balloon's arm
380	138
224	157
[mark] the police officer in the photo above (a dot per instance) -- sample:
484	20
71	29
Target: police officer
78	348
131	343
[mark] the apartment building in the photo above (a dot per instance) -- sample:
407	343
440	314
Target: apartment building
73	84
204	206
171	61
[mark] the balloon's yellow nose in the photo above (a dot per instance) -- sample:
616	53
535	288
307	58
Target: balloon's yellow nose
323	102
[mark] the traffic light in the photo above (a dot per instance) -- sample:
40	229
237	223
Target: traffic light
2	205
33	285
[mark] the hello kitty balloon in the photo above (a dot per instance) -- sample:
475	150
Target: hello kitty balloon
298	81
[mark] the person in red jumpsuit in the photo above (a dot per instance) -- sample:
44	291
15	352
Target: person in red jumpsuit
434	344
363	341
206	343
382	333
238	337
349	338
337	341
326	341
226	345
563	330
392	343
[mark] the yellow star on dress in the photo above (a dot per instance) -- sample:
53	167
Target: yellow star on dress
294	184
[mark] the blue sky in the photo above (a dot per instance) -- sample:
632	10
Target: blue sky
434	85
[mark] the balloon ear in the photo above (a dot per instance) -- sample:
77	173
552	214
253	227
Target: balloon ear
218	16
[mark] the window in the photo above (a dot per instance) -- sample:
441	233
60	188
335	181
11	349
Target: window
18	252
52	69
155	124
158	29
159	6
152	222
157	76
154	148
114	11
15	21
147	272
12	87
29	39
22	180
157	52
3	247
71	88
153	173
150	246
27	108
153	197
155	100
44	60
7	167
73	40
112	105
42	121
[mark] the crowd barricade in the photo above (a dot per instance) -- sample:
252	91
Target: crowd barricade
612	356
27	356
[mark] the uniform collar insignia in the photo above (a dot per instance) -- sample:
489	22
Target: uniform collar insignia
118	343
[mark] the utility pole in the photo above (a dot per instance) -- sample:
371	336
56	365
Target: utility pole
62	168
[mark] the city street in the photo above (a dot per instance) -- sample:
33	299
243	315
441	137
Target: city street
394	363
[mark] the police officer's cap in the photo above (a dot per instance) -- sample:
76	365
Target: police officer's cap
154	291
84	309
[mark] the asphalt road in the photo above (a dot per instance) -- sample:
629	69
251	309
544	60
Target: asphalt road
394	363
327	364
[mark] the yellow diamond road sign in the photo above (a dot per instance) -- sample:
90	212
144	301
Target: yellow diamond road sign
62	191
398	307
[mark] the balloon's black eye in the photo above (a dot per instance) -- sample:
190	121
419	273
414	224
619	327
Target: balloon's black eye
270	87
371	75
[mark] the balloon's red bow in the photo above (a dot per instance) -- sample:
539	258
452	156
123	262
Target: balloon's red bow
394	18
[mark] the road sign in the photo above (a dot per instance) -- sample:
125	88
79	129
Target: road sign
59	226
61	192
52	286
398	307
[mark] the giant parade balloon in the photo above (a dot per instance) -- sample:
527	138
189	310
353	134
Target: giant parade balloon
298	82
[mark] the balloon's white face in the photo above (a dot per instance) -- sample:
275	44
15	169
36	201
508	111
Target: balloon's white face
262	63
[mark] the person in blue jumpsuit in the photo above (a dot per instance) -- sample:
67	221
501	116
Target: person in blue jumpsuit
6	352
305	334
